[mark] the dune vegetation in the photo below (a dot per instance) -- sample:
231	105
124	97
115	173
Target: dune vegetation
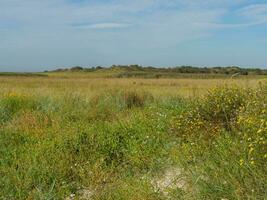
78	137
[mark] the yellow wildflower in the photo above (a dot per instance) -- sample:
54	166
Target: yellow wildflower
259	131
250	151
241	162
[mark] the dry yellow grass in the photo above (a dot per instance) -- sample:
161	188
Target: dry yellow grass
90	86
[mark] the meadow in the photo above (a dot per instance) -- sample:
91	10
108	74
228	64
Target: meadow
76	136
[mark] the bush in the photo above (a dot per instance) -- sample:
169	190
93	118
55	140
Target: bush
207	117
252	128
135	99
230	162
118	100
221	106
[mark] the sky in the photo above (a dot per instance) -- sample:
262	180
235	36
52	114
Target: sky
37	35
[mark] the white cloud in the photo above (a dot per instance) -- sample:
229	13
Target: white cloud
251	15
209	3
254	10
106	25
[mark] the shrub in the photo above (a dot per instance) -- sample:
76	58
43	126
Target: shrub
252	128
218	110
135	99
121	99
221	106
232	164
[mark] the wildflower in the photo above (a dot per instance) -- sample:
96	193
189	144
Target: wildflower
250	151
259	131
241	162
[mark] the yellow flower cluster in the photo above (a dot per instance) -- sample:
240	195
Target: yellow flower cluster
252	123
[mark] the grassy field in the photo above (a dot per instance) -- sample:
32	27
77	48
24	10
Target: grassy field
77	136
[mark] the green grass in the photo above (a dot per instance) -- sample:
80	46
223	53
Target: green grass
117	144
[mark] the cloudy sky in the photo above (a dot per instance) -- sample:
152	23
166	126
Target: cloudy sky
44	34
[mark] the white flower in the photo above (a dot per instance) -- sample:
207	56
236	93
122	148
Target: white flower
72	195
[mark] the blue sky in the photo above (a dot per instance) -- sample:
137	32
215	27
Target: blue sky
36	35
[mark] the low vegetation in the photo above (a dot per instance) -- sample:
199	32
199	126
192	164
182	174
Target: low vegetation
136	71
132	141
